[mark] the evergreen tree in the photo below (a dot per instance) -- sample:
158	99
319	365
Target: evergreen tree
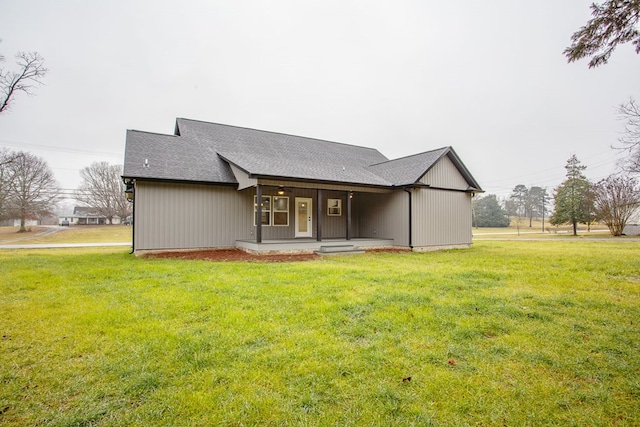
573	198
519	197
614	22
487	212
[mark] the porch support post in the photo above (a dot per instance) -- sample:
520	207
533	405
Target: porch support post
349	215
319	216
259	213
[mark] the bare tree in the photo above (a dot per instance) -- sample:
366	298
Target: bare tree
614	22
30	72
6	179
630	112
102	189
616	199
34	190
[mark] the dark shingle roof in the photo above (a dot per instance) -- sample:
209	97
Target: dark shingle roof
201	151
408	170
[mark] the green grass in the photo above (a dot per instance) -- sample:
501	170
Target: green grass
73	234
506	333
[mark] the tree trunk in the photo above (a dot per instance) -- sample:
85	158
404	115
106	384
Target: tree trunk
575	228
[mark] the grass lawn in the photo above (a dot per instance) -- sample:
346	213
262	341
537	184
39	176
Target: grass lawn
519	228
506	333
73	234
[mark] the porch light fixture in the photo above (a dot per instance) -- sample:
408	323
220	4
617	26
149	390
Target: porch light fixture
351	194
280	190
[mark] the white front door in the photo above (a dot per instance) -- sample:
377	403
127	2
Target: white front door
304	222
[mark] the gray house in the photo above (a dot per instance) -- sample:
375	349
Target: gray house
218	186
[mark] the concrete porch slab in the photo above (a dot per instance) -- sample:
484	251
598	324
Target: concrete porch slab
290	246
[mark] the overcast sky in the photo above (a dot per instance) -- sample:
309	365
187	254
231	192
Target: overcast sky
487	78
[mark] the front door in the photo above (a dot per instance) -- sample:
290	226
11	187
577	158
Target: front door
304	223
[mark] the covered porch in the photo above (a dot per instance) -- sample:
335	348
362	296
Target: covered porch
313	217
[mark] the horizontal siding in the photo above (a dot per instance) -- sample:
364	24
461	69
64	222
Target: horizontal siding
441	218
444	174
184	216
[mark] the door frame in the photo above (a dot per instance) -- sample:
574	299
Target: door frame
309	232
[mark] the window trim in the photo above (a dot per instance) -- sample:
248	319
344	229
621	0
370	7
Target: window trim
255	211
274	211
336	205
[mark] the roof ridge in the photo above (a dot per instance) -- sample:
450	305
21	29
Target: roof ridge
152	133
448	147
281	133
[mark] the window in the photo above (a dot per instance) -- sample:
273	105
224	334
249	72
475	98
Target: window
334	207
280	211
266	210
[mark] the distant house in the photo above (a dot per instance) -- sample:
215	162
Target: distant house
83	215
217	186
632	228
16	223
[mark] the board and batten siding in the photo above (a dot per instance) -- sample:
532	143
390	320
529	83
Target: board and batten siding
384	215
441	218
189	216
444	174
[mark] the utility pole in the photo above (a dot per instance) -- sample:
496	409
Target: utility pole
544	191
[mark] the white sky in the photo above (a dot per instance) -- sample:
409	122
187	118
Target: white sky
404	76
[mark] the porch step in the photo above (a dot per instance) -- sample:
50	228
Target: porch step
338	249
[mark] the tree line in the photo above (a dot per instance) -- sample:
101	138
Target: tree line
612	200
29	190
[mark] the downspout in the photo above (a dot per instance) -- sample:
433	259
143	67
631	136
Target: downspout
410	220
130	194
133	223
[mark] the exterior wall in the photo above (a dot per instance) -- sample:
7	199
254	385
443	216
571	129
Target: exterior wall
383	216
282	232
332	226
444	174
441	218
186	216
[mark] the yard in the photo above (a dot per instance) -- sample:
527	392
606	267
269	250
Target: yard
506	333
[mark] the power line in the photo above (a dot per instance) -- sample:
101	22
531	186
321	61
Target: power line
19	144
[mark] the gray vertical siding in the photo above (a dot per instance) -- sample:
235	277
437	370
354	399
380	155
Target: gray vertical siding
383	215
444	174
171	215
183	216
441	218
332	226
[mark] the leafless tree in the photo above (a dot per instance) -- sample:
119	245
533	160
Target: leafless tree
34	191
102	189
30	72
630	113
616	199
6	179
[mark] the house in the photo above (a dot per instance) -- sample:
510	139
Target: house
84	215
16	223
632	227
218	186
